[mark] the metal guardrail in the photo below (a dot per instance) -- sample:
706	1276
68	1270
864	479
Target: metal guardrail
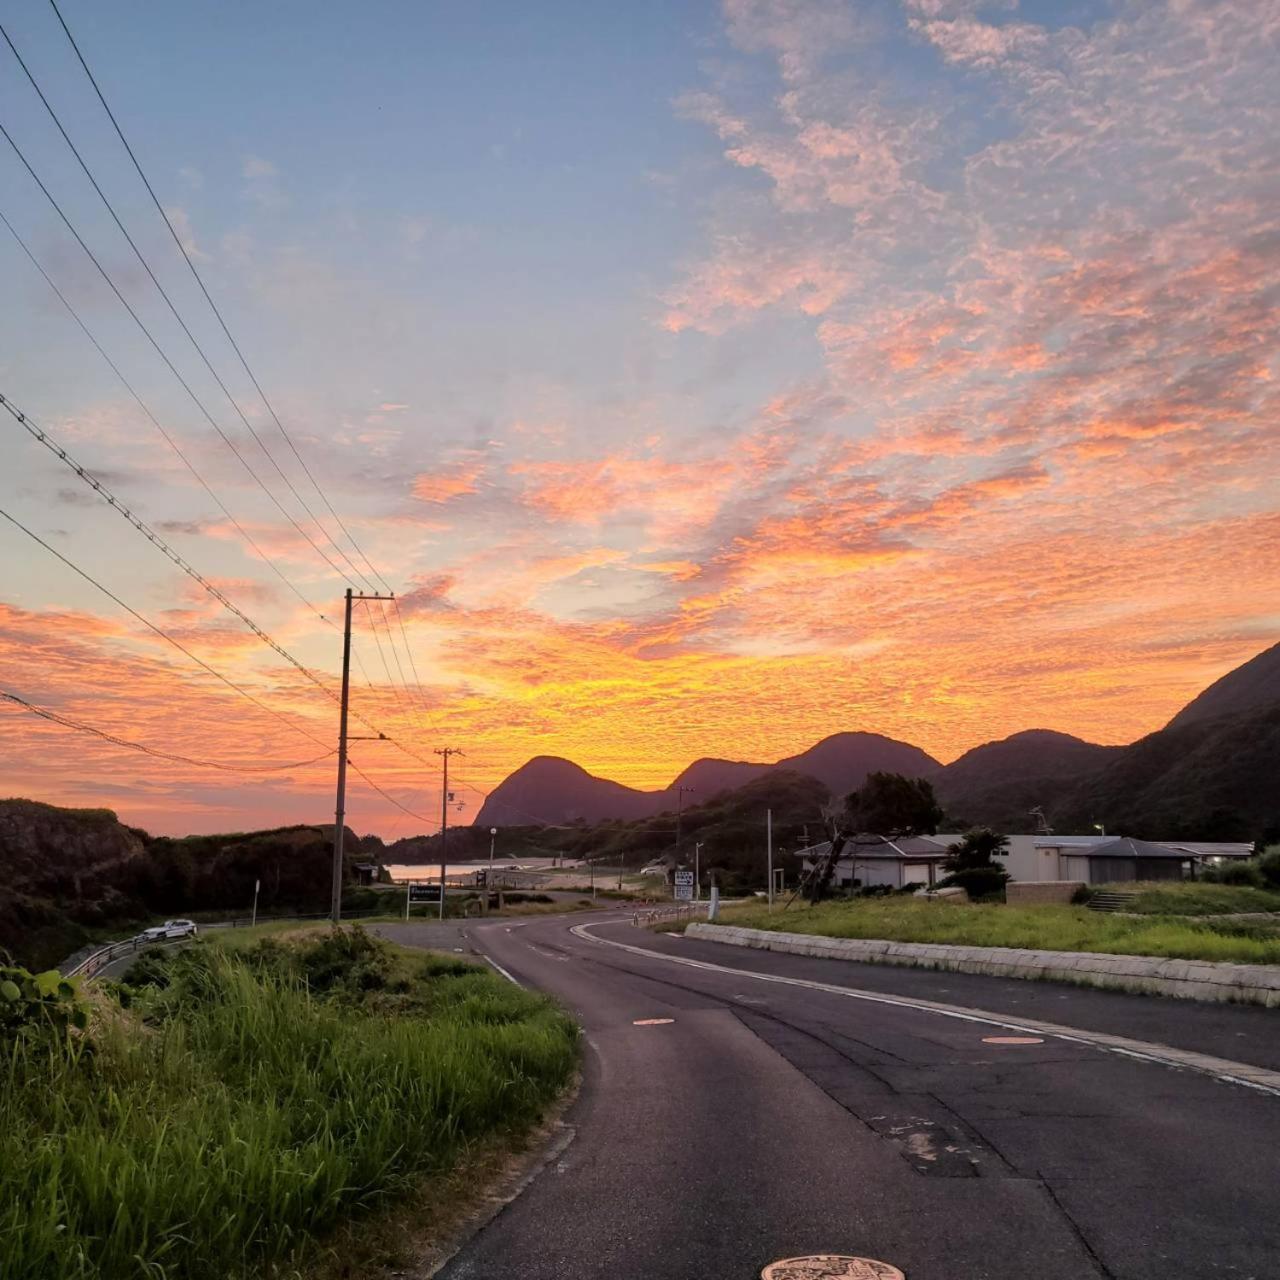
656	915
96	961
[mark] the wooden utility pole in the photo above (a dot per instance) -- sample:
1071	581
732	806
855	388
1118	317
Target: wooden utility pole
340	813
444	753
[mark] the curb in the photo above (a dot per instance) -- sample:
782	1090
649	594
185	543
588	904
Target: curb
1204	980
1223	1070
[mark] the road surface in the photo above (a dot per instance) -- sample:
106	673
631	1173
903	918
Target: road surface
766	1121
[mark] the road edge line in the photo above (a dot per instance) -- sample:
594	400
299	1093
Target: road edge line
1222	1070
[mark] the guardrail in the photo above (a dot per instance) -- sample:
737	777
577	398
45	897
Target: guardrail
92	964
656	915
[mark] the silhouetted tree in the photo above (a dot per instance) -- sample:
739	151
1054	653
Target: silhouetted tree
890	804
971	863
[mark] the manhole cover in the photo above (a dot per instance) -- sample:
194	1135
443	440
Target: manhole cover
830	1266
652	1022
1012	1040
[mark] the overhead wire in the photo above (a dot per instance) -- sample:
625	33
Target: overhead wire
67	723
176	557
146	266
167	437
159	631
235	346
186	386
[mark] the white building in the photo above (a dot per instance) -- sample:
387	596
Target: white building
1095	859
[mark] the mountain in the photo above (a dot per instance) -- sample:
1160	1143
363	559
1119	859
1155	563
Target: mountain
709	776
842	761
999	783
1254	686
552	790
1205	778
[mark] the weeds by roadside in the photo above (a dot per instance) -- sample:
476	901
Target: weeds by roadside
245	1103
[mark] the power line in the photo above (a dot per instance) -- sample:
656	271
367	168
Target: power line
67	723
151	626
168	439
235	346
186	386
160	544
154	538
146	266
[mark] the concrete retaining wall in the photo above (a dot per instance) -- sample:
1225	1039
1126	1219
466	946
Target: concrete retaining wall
1186	979
1027	893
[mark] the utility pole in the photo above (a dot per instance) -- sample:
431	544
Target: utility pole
444	753
340	816
697	878
768	821
679	808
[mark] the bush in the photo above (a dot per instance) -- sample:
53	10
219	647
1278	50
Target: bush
1240	873
1082	896
254	1115
978	882
1269	866
37	1005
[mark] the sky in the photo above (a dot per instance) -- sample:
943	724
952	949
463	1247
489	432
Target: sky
703	379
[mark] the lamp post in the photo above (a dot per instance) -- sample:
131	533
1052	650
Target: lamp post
493	835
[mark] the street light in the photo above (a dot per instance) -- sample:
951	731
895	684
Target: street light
493	835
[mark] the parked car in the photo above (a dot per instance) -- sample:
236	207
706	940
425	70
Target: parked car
170	929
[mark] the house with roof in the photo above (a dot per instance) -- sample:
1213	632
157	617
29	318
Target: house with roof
869	860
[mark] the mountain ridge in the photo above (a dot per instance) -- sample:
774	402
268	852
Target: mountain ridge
1205	770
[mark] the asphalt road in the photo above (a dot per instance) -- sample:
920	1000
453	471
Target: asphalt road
769	1121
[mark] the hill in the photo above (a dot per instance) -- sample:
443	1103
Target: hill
1253	686
1209	779
998	783
72	874
551	790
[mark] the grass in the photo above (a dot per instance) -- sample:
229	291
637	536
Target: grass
1196	898
254	1100
1042	928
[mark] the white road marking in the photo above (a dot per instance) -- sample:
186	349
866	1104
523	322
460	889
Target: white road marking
501	970
1220	1069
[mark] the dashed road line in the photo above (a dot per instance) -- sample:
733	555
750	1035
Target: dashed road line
1220	1069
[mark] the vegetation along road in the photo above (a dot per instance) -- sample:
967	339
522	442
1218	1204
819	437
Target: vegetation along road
727	1121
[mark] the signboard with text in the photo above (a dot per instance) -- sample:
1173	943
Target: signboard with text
684	886
424	893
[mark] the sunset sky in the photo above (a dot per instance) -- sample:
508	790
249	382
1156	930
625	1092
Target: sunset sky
704	378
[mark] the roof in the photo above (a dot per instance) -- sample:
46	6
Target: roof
1127	847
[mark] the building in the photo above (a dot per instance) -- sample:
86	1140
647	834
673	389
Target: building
1109	860
876	860
1096	859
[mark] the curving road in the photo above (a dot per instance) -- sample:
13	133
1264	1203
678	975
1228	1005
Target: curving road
767	1120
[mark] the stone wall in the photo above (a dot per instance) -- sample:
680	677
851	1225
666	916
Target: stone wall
1187	979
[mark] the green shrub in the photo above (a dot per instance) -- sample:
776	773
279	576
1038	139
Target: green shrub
37	1005
1247	873
1269	867
255	1113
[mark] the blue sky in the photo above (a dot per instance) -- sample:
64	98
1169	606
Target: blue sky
691	369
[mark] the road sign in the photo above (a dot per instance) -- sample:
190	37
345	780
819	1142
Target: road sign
424	893
684	886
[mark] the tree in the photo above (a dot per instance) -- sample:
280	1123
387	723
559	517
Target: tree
971	863
890	804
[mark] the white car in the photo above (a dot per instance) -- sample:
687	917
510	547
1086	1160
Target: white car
170	929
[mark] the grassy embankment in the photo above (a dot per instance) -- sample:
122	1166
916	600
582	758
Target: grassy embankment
1042	928
1198	898
241	1105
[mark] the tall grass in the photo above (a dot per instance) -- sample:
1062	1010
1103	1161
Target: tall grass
249	1115
1044	928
